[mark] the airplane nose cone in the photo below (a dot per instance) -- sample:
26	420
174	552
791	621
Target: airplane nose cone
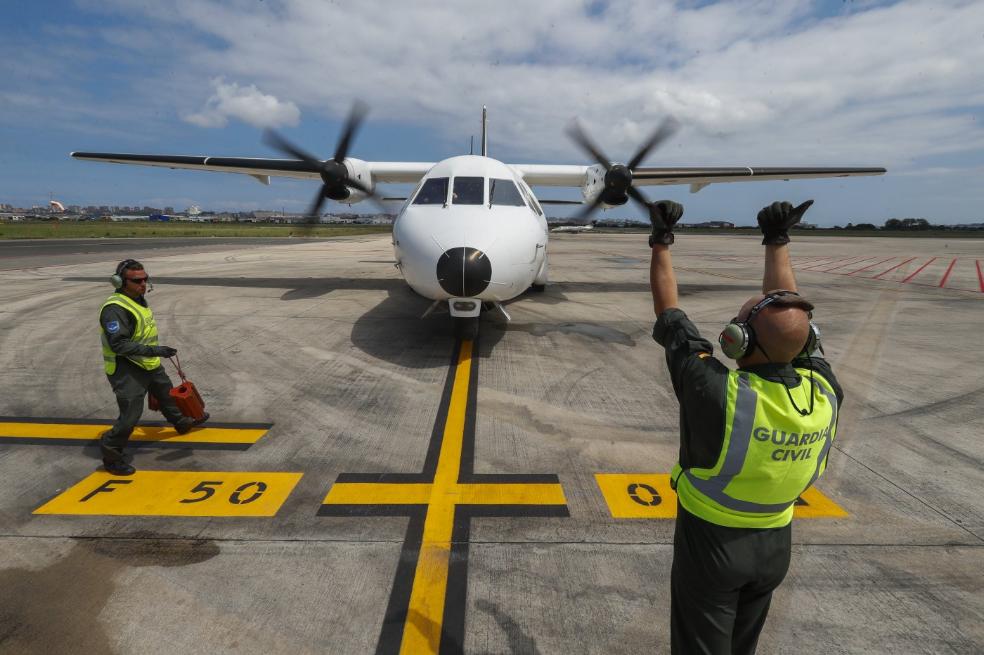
464	272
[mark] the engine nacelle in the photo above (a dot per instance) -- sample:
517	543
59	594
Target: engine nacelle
358	170
594	185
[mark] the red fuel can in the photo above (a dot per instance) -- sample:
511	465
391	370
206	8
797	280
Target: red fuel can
188	400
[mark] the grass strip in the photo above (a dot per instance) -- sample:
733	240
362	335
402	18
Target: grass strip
100	229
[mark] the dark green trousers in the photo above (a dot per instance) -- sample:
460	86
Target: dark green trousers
130	384
721	584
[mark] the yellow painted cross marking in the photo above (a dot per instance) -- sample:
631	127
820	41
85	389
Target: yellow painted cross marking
450	490
649	496
175	493
67	431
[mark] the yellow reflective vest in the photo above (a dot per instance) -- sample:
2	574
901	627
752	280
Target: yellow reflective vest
771	454
144	333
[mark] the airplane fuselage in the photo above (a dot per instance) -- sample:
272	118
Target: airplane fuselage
471	229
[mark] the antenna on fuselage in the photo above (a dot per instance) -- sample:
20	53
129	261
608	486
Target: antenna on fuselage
485	131
471	146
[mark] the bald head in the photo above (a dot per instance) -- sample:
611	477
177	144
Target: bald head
781	327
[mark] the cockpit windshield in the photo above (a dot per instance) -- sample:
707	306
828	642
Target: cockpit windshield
434	192
468	191
504	192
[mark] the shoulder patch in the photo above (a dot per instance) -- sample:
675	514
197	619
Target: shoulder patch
703	355
113	327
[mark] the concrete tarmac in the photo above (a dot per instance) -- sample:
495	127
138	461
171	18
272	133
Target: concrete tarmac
451	503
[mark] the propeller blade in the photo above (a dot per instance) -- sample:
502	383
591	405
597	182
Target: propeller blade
582	216
639	197
665	131
371	195
314	214
278	142
356	116
581	138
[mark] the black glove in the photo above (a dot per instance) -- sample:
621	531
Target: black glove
663	215
776	219
165	351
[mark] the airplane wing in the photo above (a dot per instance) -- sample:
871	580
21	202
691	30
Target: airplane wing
696	177
258	167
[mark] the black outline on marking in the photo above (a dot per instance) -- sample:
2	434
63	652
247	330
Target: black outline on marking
456	594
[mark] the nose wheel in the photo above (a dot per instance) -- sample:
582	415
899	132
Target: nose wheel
466	327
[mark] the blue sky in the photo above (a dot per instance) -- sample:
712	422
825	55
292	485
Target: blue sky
757	83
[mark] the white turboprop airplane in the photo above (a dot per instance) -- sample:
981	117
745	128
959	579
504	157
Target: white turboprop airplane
472	231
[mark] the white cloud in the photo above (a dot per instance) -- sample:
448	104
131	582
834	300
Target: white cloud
247	104
755	81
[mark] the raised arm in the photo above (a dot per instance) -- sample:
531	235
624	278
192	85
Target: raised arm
775	221
662	280
778	269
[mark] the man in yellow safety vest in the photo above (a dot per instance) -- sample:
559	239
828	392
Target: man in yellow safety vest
132	362
751	440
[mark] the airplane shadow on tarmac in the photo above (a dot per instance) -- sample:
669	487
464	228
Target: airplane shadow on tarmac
394	331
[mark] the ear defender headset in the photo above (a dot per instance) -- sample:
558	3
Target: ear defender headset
738	339
117	278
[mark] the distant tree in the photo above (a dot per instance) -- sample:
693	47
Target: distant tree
915	224
865	226
893	224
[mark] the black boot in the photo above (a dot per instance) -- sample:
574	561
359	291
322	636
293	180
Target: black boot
118	467
184	425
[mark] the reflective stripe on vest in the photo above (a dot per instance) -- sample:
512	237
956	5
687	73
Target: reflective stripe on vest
705	492
145	333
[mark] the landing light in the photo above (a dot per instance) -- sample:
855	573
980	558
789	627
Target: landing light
464	307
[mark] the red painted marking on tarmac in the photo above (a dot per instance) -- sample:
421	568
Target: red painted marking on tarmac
856	261
919	270
946	275
893	268
980	276
816	261
865	268
832	261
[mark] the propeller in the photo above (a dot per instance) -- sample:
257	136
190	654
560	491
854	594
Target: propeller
336	182
618	177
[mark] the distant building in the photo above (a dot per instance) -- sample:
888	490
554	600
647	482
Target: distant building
717	225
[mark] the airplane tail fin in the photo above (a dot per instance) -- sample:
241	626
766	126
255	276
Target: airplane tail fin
485	131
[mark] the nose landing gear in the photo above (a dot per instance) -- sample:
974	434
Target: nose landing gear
466	327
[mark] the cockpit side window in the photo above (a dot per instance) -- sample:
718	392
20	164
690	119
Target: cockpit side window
434	192
531	199
504	192
468	191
